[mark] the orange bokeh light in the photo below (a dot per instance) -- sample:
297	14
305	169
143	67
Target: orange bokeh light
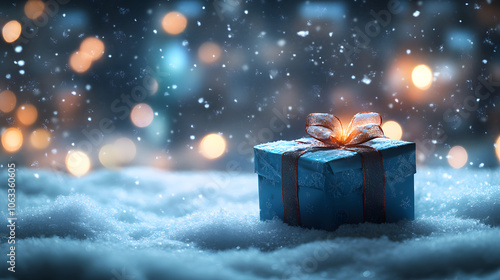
33	9
12	139
457	157
497	148
11	31
174	23
142	115
80	62
392	130
422	76
209	52
77	163
93	48
212	146
27	114
405	77
7	101
40	138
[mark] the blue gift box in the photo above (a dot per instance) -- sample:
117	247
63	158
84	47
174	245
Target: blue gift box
331	184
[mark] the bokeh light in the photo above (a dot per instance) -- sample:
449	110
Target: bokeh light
12	139
142	115
392	130
422	77
212	146
153	86
176	58
80	62
40	138
126	148
497	148
117	154
11	31
27	114
174	23
457	157
33	9
195	72
209	52
93	48
7	101
77	163
109	156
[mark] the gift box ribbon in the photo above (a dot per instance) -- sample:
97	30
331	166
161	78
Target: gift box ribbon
329	134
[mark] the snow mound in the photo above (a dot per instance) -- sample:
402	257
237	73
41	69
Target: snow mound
74	216
142	223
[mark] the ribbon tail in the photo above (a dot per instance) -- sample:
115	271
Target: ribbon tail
374	184
289	186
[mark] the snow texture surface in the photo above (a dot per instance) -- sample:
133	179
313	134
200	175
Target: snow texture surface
142	223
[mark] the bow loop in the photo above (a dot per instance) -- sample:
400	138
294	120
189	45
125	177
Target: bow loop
328	129
324	127
363	134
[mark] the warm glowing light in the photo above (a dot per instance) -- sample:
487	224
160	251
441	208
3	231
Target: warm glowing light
40	138
33	9
142	115
109	156
126	148
209	52
7	101
422	76
457	157
497	148
114	155
392	130
93	48
80	62
12	139
77	163
174	23
27	114
212	146
11	31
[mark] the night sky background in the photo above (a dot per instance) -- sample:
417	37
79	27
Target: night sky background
278	62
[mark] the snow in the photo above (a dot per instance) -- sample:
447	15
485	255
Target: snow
366	80
141	223
303	33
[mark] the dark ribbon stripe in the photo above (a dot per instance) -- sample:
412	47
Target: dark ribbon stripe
373	181
290	186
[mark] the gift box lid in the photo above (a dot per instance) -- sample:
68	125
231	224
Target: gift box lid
398	156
